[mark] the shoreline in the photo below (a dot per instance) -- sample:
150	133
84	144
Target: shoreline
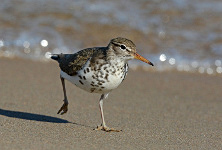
133	67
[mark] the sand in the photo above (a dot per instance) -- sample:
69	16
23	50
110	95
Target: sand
155	110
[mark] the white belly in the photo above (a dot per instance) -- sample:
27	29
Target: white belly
96	81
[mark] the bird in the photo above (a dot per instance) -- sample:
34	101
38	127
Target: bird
97	70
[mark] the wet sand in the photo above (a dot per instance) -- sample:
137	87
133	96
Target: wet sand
155	110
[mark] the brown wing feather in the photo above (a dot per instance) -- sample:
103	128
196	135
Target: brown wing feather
72	63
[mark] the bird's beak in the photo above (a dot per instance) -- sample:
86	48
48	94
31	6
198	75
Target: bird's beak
139	57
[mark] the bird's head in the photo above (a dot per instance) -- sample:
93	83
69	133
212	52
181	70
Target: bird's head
126	49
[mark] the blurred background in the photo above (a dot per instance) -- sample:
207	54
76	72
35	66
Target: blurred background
180	35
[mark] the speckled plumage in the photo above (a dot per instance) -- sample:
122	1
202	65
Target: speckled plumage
98	70
72	63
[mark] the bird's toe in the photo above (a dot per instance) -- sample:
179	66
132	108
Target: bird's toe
63	109
107	129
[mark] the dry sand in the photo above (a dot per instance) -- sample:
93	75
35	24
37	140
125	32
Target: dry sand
168	110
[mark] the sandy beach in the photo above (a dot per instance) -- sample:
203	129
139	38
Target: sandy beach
155	110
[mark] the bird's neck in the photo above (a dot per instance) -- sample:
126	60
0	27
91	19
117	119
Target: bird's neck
113	58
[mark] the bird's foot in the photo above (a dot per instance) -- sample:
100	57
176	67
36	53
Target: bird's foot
107	129
64	108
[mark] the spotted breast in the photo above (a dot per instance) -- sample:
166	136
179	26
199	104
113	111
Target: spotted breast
99	77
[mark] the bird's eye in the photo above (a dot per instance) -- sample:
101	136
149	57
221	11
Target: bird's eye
122	46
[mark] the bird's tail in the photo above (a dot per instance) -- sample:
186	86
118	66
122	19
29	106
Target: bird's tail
56	56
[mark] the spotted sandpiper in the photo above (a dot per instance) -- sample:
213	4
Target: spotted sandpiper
97	70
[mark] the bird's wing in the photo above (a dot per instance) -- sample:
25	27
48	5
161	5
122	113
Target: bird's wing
72	63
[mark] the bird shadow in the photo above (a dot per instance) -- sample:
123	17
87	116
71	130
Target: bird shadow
36	117
31	116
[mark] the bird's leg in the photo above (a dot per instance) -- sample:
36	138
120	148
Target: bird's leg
103	125
64	107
